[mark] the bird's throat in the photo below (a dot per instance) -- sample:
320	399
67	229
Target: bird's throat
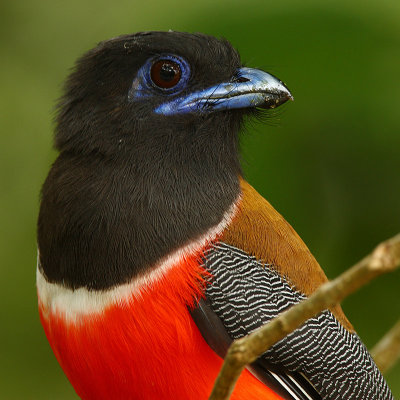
102	224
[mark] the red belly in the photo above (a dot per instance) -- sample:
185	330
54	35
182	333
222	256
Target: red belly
144	348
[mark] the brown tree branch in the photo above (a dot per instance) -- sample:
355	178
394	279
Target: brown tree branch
387	351
385	258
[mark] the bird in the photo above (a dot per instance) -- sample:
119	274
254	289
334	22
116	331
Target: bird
155	253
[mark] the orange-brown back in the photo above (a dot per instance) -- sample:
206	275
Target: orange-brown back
262	232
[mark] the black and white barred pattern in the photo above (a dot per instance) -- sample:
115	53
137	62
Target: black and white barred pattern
245	295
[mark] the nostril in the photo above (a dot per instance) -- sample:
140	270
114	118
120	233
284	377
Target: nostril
240	79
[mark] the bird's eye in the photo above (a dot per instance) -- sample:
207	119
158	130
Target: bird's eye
165	73
162	75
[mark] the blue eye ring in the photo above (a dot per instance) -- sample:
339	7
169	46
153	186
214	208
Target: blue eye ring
144	87
167	65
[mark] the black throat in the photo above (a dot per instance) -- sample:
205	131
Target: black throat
106	218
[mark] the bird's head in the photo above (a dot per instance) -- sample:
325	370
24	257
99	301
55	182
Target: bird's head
147	130
153	86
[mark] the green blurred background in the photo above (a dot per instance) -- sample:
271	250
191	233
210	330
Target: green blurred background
329	162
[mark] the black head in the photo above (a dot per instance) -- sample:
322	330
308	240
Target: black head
147	132
107	107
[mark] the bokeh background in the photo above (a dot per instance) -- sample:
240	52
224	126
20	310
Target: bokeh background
329	162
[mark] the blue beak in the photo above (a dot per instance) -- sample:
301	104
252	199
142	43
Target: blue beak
252	88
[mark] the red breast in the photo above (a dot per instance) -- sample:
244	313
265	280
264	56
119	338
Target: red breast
147	341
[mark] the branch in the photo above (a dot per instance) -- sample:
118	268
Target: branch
385	258
387	351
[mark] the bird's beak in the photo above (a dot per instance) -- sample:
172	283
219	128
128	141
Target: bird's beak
250	88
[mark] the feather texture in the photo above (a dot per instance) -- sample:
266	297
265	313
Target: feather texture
246	294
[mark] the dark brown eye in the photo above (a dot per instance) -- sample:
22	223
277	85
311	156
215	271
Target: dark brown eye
165	73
